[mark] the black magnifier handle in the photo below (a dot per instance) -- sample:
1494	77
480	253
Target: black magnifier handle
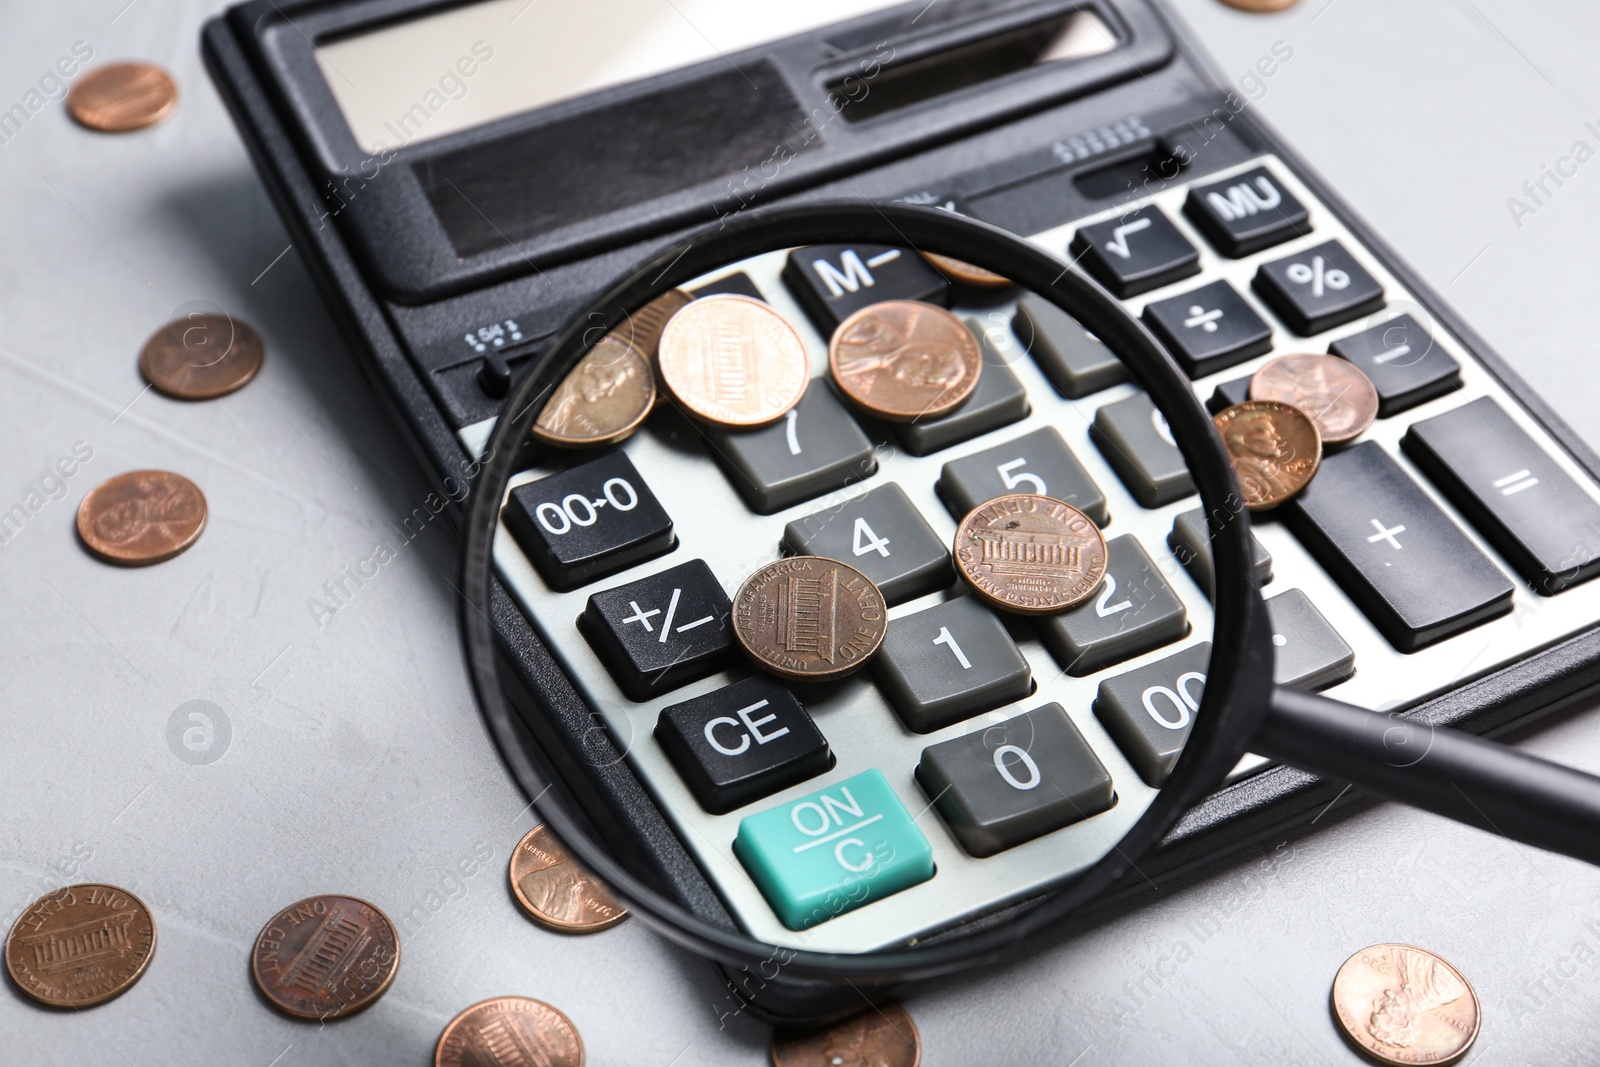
1449	773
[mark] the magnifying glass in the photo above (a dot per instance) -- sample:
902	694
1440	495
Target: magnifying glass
1161	748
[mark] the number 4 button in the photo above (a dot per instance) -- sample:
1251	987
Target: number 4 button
883	536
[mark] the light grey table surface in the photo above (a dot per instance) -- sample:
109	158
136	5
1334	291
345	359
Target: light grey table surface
357	762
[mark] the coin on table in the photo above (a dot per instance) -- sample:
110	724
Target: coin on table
120	97
809	619
142	517
81	945
556	891
603	400
959	270
1030	555
883	1037
1261	7
1340	399
513	1031
201	357
733	361
1275	449
644	327
325	957
1405	1005
904	361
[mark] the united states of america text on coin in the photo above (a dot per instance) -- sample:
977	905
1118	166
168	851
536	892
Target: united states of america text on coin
1340	399
809	619
905	361
964	273
882	1036
1029	554
509	1032
733	361
1274	447
1405	1005
555	890
142	517
603	400
201	357
120	97
80	945
325	957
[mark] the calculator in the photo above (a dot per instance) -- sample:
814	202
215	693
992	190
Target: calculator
458	203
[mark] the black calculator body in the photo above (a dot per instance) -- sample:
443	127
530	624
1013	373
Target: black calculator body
1092	126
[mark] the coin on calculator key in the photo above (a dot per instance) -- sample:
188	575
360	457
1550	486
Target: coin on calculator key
882	1036
1274	447
733	361
556	891
1029	554
959	270
514	1031
80	945
325	957
1401	1005
121	97
809	619
905	361
142	517
643	328
201	357
1340	399
602	400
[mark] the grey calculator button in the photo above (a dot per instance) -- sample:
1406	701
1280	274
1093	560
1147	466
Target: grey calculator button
1190	541
998	400
948	663
1015	780
1134	612
1075	360
1135	439
1150	710
882	535
1310	653
814	449
1039	462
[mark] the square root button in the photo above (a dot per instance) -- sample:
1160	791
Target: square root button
833	851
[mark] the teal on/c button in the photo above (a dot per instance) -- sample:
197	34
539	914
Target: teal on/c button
833	851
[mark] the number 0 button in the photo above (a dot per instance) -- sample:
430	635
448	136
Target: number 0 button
882	535
1150	711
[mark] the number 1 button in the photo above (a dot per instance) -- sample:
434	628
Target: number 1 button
948	663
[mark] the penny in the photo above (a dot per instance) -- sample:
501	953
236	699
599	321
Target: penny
882	1037
1030	555
644	327
959	270
904	360
1261	7
603	400
120	97
556	891
1275	449
733	361
509	1032
1340	399
201	357
81	945
142	517
1403	1005
809	619
325	957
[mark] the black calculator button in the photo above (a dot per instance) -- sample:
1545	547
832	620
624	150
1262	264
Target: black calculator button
1015	780
662	631
1135	439
1310	653
1318	289
948	663
999	399
1150	711
1229	393
737	284
833	282
1039	462
1406	365
742	743
1133	612
814	449
882	535
1529	508
1076	361
1209	329
1136	252
588	521
1247	212
1411	569
1190	541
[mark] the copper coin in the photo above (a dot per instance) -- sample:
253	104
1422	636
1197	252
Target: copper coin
884	1036
603	400
142	517
201	357
1275	449
1404	1005
959	270
81	945
1031	555
1261	7
904	360
556	891
120	97
1340	399
325	957
644	327
733	361
509	1032
809	619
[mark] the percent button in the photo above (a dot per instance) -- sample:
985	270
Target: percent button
1318	289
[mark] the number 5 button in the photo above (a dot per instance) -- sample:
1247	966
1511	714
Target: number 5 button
948	663
1039	462
883	536
1150	711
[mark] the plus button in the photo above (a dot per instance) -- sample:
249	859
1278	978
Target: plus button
1388	535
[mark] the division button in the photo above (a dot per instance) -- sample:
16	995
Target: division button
833	282
948	663
1150	710
1209	329
1076	361
662	631
1310	653
1406	365
1247	212
1318	289
1135	439
1134	612
814	449
1039	462
882	535
1136	252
